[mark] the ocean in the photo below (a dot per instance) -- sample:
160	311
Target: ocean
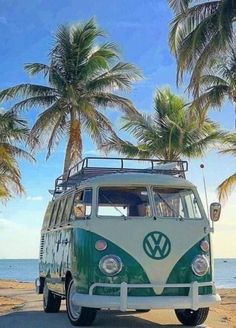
27	270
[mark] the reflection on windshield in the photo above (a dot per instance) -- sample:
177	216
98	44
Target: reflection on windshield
176	203
123	202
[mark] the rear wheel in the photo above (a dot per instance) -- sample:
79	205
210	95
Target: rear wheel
51	302
78	315
190	317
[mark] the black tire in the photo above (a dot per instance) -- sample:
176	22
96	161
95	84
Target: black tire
142	311
78	316
51	302
189	317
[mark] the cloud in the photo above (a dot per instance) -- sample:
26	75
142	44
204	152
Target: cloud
34	198
7	224
18	240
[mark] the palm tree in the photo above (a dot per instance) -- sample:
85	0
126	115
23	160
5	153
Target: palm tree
83	79
199	30
13	131
226	186
218	83
173	131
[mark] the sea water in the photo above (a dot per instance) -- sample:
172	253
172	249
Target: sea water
27	270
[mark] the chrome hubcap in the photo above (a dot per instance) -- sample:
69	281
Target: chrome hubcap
74	309
45	295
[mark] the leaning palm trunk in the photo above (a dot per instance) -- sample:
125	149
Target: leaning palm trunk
74	145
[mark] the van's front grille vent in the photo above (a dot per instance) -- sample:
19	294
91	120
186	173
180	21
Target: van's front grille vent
41	247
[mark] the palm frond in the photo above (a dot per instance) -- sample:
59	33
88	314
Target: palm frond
125	148
198	32
225	188
111	100
26	90
36	68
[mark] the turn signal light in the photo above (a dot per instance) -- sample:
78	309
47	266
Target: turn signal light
205	246
100	245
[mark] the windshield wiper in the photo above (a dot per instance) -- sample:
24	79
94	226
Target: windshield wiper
116	208
168	205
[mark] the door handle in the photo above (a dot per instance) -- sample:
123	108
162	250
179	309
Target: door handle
66	241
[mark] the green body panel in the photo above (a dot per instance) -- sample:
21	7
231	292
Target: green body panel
85	268
182	273
81	259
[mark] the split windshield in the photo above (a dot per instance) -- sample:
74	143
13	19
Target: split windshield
134	202
176	203
123	202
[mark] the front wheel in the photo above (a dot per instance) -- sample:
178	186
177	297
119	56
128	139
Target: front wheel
78	315
51	302
190	317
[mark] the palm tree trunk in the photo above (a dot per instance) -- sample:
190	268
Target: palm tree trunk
74	145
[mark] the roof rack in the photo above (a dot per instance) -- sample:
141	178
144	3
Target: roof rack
96	166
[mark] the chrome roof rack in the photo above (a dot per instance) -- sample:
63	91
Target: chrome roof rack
97	166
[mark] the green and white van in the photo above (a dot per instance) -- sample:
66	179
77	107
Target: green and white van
123	236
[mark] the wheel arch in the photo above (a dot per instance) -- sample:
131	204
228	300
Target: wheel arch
68	277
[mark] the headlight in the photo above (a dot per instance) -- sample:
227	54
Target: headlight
200	265
110	265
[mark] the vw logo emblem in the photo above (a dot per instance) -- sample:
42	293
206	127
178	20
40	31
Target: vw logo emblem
157	245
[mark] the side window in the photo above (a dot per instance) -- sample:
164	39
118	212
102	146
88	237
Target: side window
60	211
82	204
68	208
192	206
47	215
87	199
54	214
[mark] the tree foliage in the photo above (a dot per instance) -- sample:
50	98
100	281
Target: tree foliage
13	132
226	186
198	32
83	78
173	131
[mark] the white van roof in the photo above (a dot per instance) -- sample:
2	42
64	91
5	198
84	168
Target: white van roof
124	179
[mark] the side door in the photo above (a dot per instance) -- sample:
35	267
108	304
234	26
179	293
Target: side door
58	246
51	247
81	245
66	237
43	241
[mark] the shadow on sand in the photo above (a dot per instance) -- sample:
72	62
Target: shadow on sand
38	319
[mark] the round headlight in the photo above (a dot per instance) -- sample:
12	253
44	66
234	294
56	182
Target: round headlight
200	265
110	265
205	246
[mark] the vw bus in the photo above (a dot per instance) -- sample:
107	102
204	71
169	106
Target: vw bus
121	235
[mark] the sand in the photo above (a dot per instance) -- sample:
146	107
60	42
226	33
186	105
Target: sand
15	296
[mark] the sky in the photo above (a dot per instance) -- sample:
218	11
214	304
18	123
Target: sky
140	28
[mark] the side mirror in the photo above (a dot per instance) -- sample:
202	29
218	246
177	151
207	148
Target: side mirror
215	210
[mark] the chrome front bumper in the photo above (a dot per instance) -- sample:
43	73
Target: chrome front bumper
124	302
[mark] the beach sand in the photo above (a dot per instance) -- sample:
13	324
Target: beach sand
16	296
